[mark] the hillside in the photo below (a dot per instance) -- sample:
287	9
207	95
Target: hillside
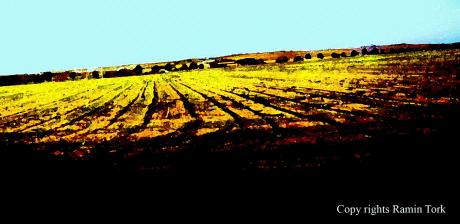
371	113
218	62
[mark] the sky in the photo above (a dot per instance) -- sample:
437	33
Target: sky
48	35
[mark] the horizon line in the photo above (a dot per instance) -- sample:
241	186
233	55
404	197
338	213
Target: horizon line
89	69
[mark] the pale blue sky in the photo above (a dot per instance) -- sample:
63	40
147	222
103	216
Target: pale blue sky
55	35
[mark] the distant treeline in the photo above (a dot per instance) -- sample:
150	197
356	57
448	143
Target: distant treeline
43	77
70	75
216	63
371	50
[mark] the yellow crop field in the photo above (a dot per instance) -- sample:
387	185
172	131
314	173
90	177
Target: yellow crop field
250	115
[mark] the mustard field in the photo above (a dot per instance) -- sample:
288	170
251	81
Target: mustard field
258	112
